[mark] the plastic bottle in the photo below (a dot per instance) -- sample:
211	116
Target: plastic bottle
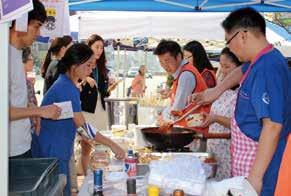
131	186
153	191
98	185
130	164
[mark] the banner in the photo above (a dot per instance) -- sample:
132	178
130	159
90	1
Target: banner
10	10
58	22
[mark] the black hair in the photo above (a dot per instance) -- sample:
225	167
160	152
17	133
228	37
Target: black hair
26	53
37	13
67	40
54	49
170	46
244	18
200	58
226	51
77	54
102	60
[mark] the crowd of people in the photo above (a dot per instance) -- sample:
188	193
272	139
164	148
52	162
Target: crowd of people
248	98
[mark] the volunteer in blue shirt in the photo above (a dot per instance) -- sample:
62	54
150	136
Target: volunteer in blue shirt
56	137
262	114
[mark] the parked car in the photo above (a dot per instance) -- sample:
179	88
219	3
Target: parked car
132	72
149	74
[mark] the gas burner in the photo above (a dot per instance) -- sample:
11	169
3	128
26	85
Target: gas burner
185	149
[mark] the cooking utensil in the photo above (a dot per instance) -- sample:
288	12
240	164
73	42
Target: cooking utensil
175	138
121	111
167	127
186	114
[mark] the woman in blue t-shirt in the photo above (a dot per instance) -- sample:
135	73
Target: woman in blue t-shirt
56	137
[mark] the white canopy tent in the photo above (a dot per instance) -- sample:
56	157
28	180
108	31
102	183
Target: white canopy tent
152	24
198	26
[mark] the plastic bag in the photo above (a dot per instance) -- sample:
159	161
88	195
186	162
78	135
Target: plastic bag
182	172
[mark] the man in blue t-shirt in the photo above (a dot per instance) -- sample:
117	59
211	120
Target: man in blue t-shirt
263	110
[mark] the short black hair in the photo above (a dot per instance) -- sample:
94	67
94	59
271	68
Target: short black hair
38	12
244	18
168	46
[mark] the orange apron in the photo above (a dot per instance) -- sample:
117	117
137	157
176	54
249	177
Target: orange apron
209	77
200	86
283	187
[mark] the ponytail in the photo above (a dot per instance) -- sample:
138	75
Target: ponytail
46	63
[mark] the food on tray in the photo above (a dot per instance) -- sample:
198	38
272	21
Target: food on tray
152	101
194	120
147	158
118	130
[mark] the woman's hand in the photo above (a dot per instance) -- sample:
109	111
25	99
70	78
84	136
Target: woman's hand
111	81
91	82
118	151
208	119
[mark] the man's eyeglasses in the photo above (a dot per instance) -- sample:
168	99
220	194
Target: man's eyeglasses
228	42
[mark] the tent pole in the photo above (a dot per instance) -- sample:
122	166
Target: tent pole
124	72
273	2
4	40
84	1
146	58
231	5
118	65
177	4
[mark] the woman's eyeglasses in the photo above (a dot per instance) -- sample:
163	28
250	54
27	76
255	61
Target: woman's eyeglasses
188	57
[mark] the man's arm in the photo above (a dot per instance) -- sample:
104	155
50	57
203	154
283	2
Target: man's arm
50	111
210	95
186	84
267	146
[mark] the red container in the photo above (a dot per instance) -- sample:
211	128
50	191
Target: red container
131	166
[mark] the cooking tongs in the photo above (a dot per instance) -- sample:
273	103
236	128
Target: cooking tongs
187	113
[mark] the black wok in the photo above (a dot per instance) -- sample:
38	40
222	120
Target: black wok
176	138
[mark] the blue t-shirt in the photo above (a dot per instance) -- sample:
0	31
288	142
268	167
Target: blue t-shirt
266	93
57	136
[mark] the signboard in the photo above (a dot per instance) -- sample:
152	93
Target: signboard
10	10
57	23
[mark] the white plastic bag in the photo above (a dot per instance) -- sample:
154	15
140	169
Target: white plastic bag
182	172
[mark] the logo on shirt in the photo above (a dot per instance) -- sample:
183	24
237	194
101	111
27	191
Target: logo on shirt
266	98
